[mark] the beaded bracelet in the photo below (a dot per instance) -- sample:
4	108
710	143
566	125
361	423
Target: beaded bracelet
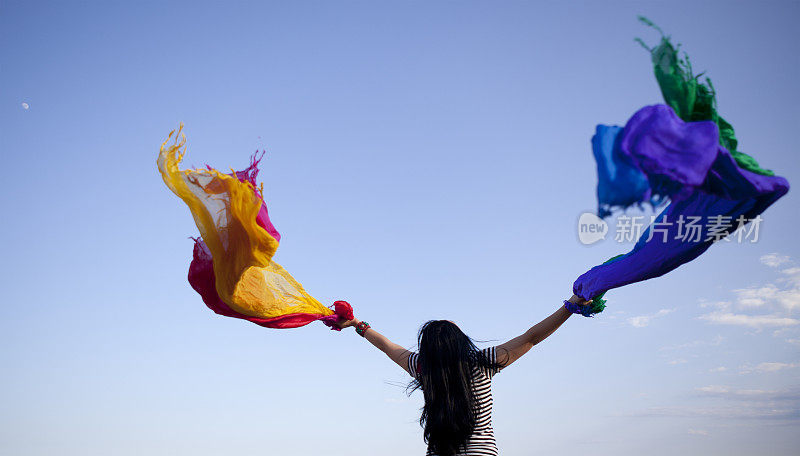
362	327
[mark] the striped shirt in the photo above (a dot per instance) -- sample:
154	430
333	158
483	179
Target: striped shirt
481	442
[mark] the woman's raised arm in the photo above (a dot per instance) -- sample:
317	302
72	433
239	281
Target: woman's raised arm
513	350
395	352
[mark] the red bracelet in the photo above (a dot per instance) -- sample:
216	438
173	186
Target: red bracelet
361	328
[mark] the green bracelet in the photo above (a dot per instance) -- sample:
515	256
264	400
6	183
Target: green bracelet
362	327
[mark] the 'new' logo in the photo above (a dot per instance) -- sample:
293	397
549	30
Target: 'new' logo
591	228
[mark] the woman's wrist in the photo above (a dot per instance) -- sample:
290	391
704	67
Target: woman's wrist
361	328
575	299
587	308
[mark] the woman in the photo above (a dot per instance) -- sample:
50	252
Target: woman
455	378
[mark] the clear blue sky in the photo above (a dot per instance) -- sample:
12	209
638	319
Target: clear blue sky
425	160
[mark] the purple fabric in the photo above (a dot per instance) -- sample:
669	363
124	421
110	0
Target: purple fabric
584	310
685	162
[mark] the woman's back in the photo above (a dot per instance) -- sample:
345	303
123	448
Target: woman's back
481	442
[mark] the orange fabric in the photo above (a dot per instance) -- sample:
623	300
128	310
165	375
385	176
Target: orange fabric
225	210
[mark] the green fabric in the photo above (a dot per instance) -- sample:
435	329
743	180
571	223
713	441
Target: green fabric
691	99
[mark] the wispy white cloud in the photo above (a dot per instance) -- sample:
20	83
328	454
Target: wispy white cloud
772	305
747	411
733	403
716	341
719	305
675	362
792	276
777	301
751	394
702	432
786	332
718	369
788	299
752	321
774	260
756	296
641	321
767	367
727	391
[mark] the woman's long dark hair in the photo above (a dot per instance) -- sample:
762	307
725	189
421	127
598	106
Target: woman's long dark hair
446	359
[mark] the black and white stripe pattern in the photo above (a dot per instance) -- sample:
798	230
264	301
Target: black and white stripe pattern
481	442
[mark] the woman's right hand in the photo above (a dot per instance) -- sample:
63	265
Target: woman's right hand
575	299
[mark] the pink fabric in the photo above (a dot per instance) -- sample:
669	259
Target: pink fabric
201	278
250	174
